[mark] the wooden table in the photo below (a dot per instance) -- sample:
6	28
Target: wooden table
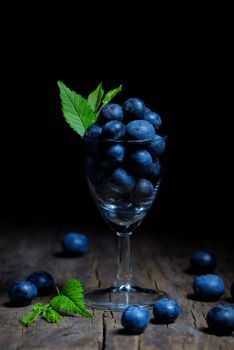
157	259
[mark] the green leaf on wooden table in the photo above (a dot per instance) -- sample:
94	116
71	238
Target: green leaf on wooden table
95	98
111	94
74	291
31	316
63	304
76	110
83	311
71	299
52	316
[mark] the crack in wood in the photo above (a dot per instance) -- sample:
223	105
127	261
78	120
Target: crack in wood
97	278
104	326
139	342
194	318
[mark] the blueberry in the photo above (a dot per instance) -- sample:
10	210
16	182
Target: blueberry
121	181
203	261
144	190
134	107
113	130
232	290
140	130
155	170
135	319
111	111
75	243
93	132
152	118
166	310
22	292
157	146
43	281
208	287
220	319
141	161
113	155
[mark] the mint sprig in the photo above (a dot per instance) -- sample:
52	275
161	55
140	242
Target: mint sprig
70	300
80	112
95	98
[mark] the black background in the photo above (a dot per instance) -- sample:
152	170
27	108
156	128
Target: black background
182	76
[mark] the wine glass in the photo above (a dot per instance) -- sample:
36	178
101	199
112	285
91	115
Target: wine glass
123	180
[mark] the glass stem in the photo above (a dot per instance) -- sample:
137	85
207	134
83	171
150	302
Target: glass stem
124	273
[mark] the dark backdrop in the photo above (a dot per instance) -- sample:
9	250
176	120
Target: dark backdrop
182	78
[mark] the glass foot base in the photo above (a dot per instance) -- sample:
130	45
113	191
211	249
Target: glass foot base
118	298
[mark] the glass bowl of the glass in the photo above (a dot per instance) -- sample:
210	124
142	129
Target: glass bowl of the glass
124	178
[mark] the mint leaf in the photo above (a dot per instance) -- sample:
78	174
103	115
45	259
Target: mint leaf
31	316
76	110
52	316
74	291
83	311
63	304
111	94
95	98
71	299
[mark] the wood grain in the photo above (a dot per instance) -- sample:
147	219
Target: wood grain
158	260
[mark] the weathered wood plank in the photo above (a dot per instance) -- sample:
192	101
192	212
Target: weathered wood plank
157	260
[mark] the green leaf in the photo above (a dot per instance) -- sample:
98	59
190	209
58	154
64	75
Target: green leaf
111	94
31	316
52	316
95	98
71	299
76	110
84	312
63	304
74	291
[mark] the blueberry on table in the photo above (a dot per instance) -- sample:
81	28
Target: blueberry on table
134	107
232	290
208	287
141	161
113	130
75	243
140	130
152	118
43	281
220	319
157	146
113	155
135	319
111	111
203	261
121	181
22	292
166	310
144	190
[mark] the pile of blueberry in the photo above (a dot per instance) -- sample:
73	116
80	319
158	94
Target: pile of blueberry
206	286
136	318
38	283
128	162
